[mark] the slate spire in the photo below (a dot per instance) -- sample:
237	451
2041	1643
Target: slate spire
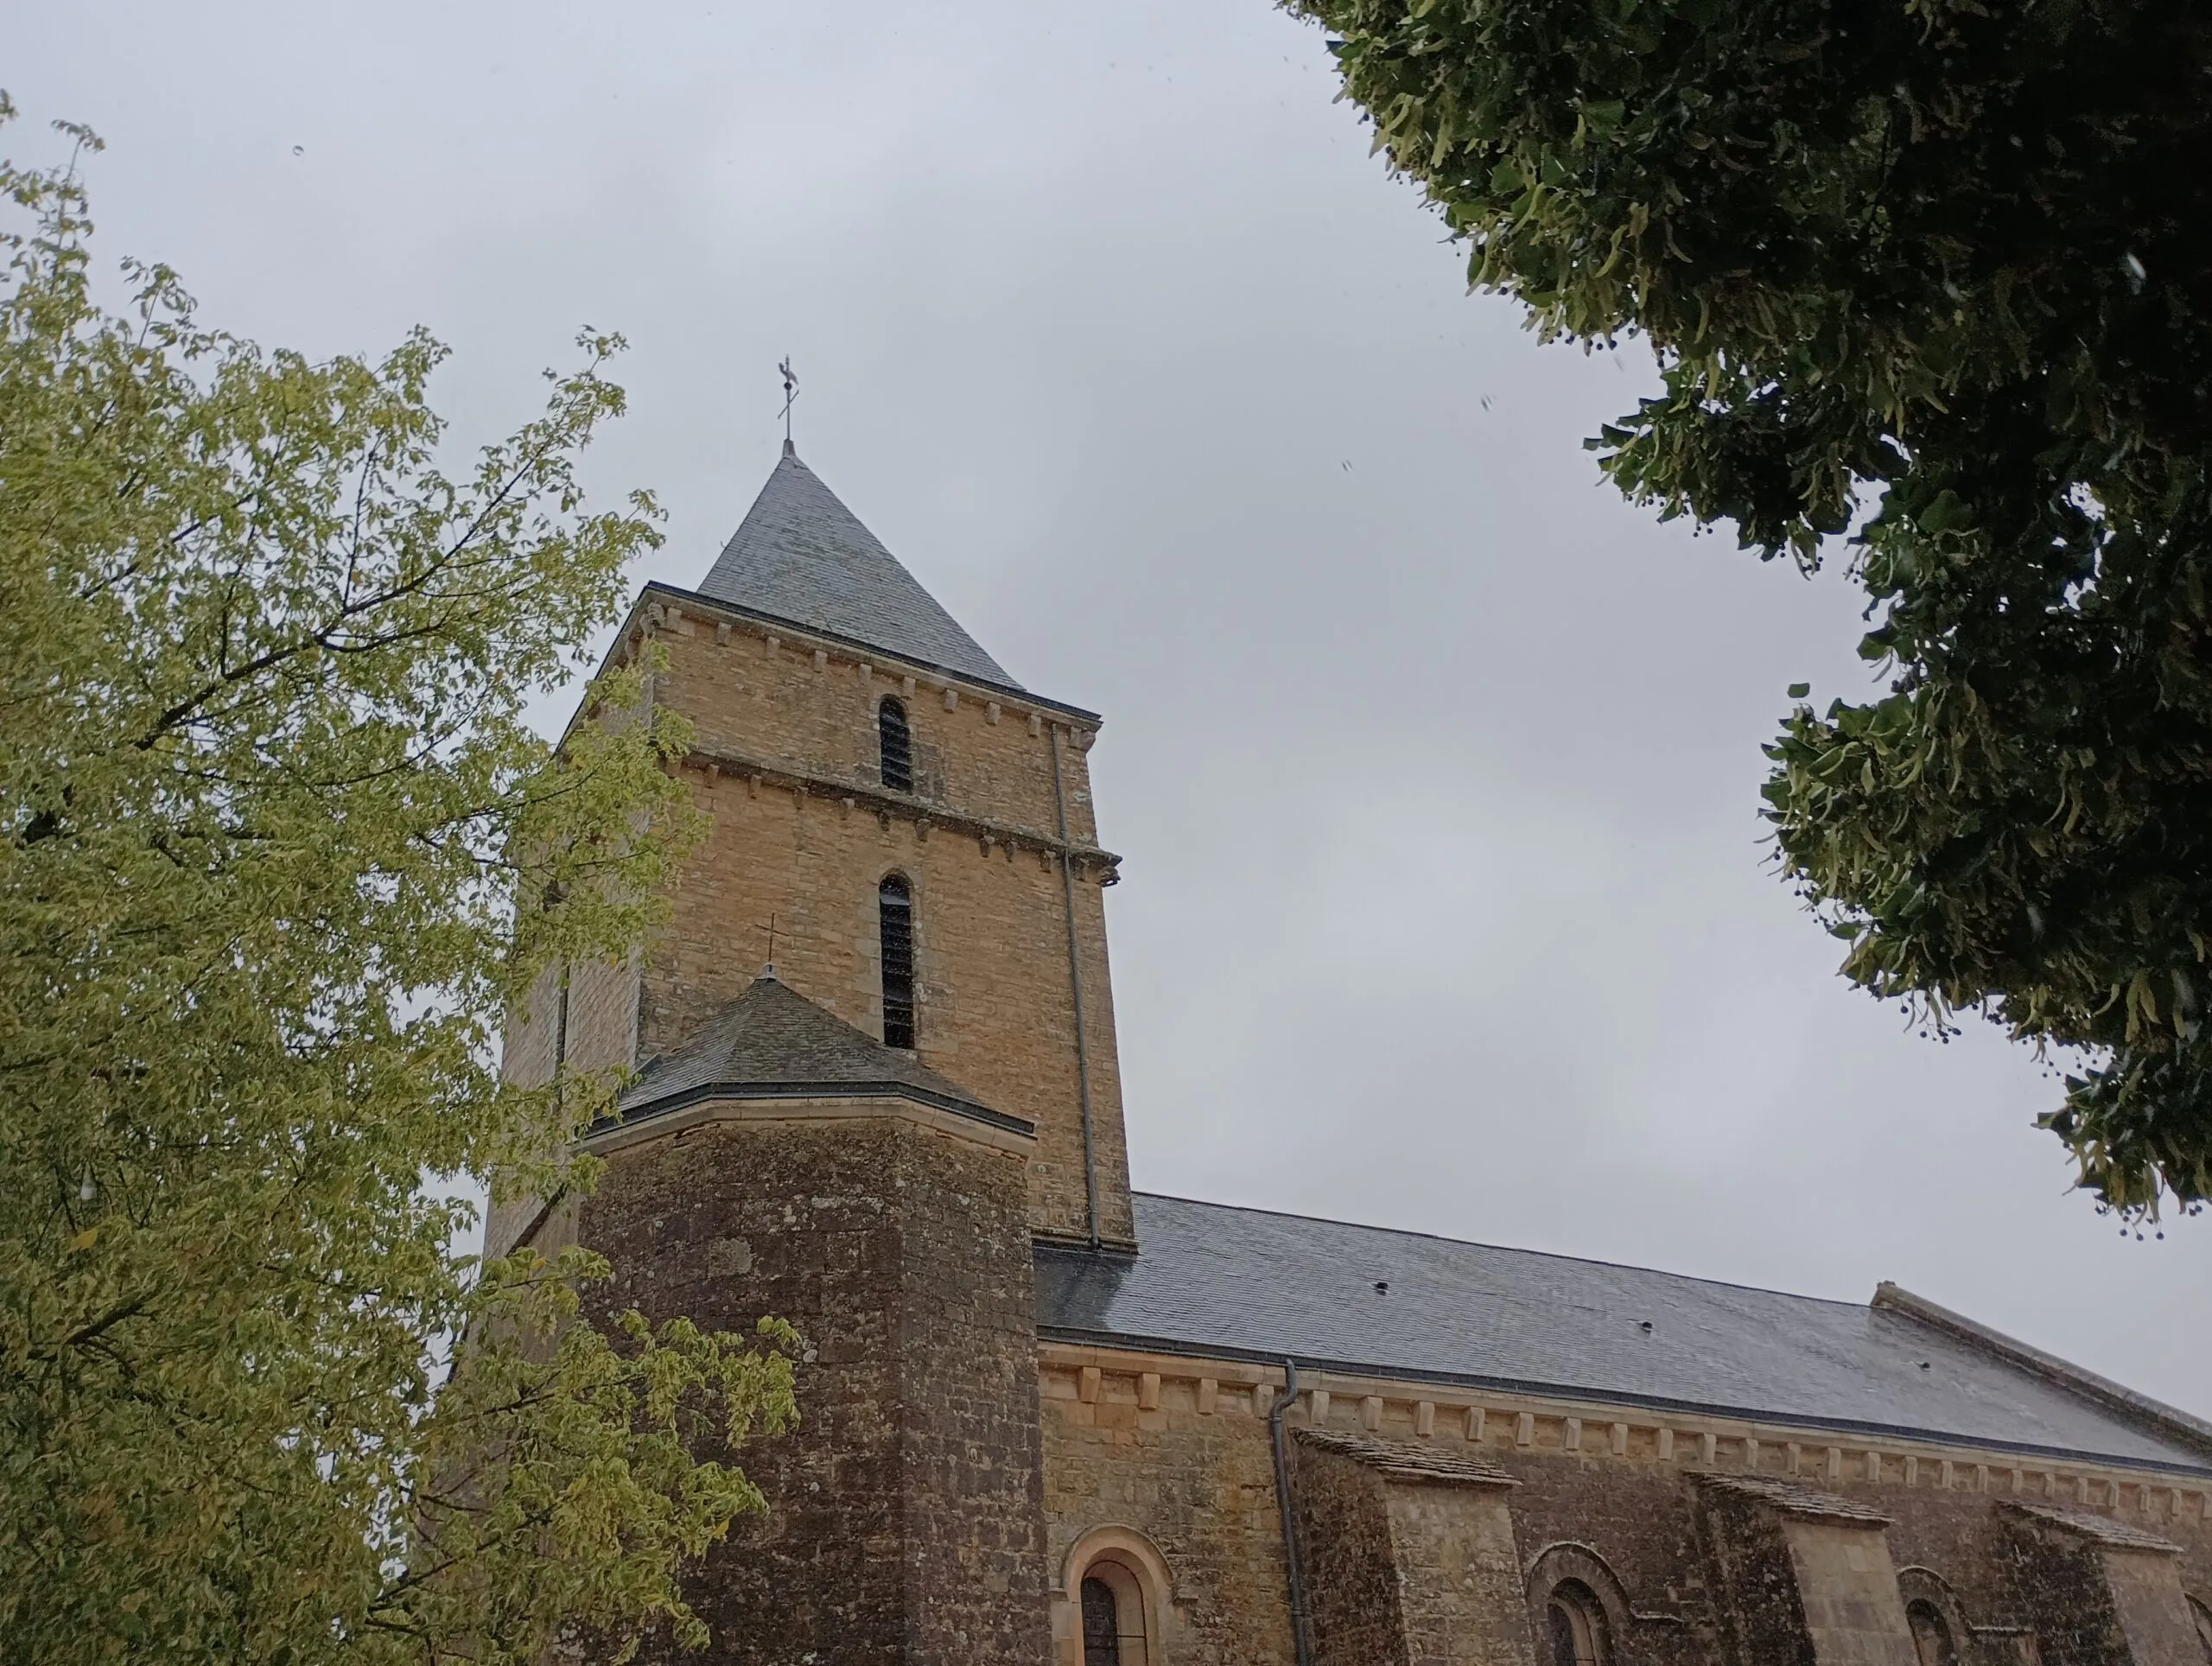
801	554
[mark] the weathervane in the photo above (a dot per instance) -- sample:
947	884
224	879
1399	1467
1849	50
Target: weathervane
791	394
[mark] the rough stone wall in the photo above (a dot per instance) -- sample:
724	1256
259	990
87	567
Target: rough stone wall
1351	1562
1198	1482
995	1009
1963	1536
1638	1517
1199	1485
904	1520
1761	1615
2057	1580
2095	1600
970	1446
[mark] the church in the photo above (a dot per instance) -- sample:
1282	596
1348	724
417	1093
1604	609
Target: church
1045	1419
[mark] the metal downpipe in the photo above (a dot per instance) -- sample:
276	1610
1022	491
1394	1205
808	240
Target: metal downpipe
1294	1563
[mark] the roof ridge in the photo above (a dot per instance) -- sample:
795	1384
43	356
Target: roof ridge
2077	1379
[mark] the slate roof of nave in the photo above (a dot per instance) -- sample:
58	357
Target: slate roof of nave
800	554
1220	1281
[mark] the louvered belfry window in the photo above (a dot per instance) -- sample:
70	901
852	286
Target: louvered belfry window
898	744
894	905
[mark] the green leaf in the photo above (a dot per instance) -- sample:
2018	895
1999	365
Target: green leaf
1820	232
277	841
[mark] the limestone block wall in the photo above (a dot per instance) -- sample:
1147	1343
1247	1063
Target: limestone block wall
1462	1600
1409	1555
905	1513
802	833
1185	1463
1351	1564
1800	1575
2096	1592
803	702
1176	1448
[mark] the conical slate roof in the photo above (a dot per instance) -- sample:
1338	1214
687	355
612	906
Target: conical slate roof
772	1037
801	554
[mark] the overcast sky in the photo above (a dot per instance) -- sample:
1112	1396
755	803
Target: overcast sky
1434	763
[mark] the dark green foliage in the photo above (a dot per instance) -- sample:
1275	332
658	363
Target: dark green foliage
1950	262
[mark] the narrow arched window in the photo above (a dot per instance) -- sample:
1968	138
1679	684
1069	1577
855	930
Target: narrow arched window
1577	1626
897	742
1931	1635
1114	1591
894	911
1102	1625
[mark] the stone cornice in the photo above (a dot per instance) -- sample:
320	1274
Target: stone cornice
716	762
658	596
1810	1431
783	1104
1599	1429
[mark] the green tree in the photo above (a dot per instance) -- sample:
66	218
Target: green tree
1932	276
277	849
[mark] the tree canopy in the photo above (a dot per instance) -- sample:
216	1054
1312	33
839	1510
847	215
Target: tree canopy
277	848
1929	281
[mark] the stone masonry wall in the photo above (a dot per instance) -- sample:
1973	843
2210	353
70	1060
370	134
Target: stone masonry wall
1462	1600
995	1007
1195	1475
1854	1610
1351	1566
2094	1599
1178	1450
1761	1618
904	1513
2153	1613
2059	1580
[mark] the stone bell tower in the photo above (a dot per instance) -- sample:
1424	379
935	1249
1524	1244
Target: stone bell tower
868	1139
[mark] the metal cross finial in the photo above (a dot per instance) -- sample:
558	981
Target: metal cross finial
769	971
791	394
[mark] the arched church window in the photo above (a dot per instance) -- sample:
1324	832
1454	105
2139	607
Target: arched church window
1112	1598
894	908
1102	1625
1931	1635
1577	1625
897	744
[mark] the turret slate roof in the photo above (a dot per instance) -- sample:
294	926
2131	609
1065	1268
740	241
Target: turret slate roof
1225	1282
773	1042
800	554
